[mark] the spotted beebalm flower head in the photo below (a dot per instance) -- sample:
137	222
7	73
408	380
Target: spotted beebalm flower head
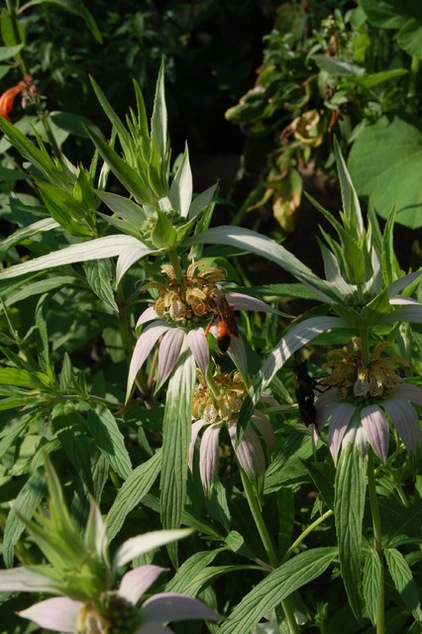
217	406
118	611
185	311
368	395
83	576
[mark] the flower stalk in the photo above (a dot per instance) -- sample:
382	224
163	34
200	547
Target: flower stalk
267	542
175	262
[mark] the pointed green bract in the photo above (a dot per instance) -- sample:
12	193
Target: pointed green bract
135	182
159	133
176	438
181	188
142	544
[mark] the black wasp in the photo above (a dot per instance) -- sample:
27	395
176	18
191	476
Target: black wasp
305	391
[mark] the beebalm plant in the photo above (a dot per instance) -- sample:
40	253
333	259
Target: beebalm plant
210	433
82	575
363	397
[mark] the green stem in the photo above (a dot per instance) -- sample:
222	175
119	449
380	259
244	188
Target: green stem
15	28
92	399
215	391
267	543
25	354
376	523
124	323
413	85
175	262
364	346
306	532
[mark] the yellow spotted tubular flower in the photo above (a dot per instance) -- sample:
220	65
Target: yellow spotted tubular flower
219	407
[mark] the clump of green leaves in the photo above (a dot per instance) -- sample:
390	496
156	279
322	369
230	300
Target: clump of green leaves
332	70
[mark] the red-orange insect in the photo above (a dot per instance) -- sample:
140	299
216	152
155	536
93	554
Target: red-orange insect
226	325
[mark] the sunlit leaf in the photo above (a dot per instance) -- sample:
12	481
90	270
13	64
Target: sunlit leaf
106	247
279	584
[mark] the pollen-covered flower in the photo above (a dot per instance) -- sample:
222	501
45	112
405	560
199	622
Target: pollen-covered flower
186	311
376	392
216	405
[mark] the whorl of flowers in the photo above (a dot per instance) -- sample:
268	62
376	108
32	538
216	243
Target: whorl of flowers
185	301
355	379
223	406
368	394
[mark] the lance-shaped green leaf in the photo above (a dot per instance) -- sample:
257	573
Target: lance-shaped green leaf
106	247
43	344
201	201
53	171
39	287
141	122
77	8
109	439
131	493
189	578
349	503
351	206
281	583
177	424
390	266
24	507
7	52
253	242
120	128
24	378
372	575
98	274
67	210
353	252
404	581
46	224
